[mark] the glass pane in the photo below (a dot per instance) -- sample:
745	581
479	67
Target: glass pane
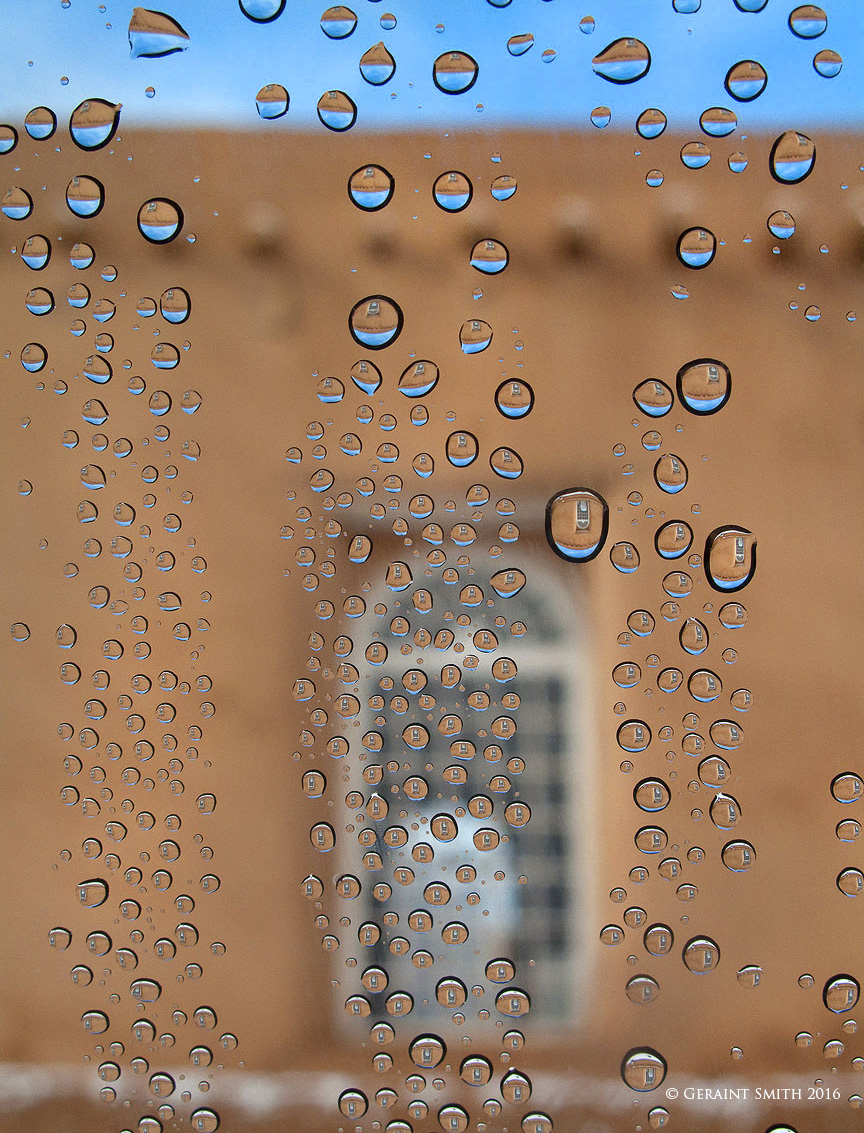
402	733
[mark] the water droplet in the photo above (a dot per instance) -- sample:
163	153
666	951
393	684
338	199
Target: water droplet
8	138
507	463
737	162
601	116
746	80
474	336
847	787
623	61
781	225
489	256
701	954
160	220
36	252
651	123
17	204
418	379
851	882
452	191
93	123
206	1120
377	65
704	385
375	321
150	92
272	101
519	44
338	22
808	21
366	375
154	34
828	63
40	122
353	1103
454	72
670	473
718	121
371	187
695	155
643	1069
730	558
696	247
577	522
514	399
793	156
841	993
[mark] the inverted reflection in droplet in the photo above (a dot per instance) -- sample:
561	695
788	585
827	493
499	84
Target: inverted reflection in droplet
577	522
623	61
155	34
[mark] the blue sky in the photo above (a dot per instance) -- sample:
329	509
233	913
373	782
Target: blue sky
215	81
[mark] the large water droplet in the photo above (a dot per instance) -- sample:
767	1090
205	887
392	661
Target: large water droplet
828	63
489	256
36	252
377	65
366	375
375	321
418	379
454	72
514	399
841	993
695	155
793	156
452	191
154	34
701	954
160	220
643	1069
8	138
623	61
272	101
673	539
746	80
704	385
93	893
730	558
577	522
474	336
808	21
338	22
519	44
97	369
653	397
205	1120
17	203
718	122
670	473
40	122
696	247
85	196
93	123
461	449
39	301
651	123
336	110
371	187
